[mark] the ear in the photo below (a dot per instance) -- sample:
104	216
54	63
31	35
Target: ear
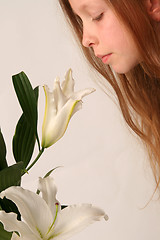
153	8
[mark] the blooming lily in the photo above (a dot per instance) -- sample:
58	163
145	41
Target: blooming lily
42	217
60	106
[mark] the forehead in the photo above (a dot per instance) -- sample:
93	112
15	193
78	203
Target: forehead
82	5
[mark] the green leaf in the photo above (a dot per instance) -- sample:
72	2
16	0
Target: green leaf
4	235
9	206
24	139
11	176
27	99
3	162
63	206
49	173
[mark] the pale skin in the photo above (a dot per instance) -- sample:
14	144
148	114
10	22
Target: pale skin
107	35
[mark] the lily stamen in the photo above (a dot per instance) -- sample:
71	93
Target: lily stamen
56	204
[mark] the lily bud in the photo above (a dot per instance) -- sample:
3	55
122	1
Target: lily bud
60	106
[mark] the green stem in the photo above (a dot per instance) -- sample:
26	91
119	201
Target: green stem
39	147
38	156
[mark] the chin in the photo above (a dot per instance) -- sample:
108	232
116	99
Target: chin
123	69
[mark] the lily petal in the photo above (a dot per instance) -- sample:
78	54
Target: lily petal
68	84
80	94
59	98
74	218
33	209
15	237
11	224
50	112
54	132
30	237
49	191
77	107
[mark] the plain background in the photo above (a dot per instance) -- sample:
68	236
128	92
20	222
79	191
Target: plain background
103	162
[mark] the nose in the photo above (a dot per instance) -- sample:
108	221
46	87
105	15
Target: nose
88	38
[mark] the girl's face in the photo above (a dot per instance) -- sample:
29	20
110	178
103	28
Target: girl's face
106	34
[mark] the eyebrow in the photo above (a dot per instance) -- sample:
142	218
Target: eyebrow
83	7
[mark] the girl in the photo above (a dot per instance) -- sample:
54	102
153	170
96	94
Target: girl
120	39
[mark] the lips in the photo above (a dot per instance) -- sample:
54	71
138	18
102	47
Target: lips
104	58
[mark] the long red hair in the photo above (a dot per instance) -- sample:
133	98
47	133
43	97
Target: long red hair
138	91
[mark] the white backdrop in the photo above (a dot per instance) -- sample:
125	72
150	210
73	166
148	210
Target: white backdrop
103	163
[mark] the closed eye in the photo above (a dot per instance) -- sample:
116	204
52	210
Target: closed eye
98	18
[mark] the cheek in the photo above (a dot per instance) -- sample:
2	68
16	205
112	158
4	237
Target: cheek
131	51
109	30
126	48
114	35
126	55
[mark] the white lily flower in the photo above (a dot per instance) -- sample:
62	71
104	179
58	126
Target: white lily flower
61	104
42	218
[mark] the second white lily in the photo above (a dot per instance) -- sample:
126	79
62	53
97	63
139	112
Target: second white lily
61	104
42	218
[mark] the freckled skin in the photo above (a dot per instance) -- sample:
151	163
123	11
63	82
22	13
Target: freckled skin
103	31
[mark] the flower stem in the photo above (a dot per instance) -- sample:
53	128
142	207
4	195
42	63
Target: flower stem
38	156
